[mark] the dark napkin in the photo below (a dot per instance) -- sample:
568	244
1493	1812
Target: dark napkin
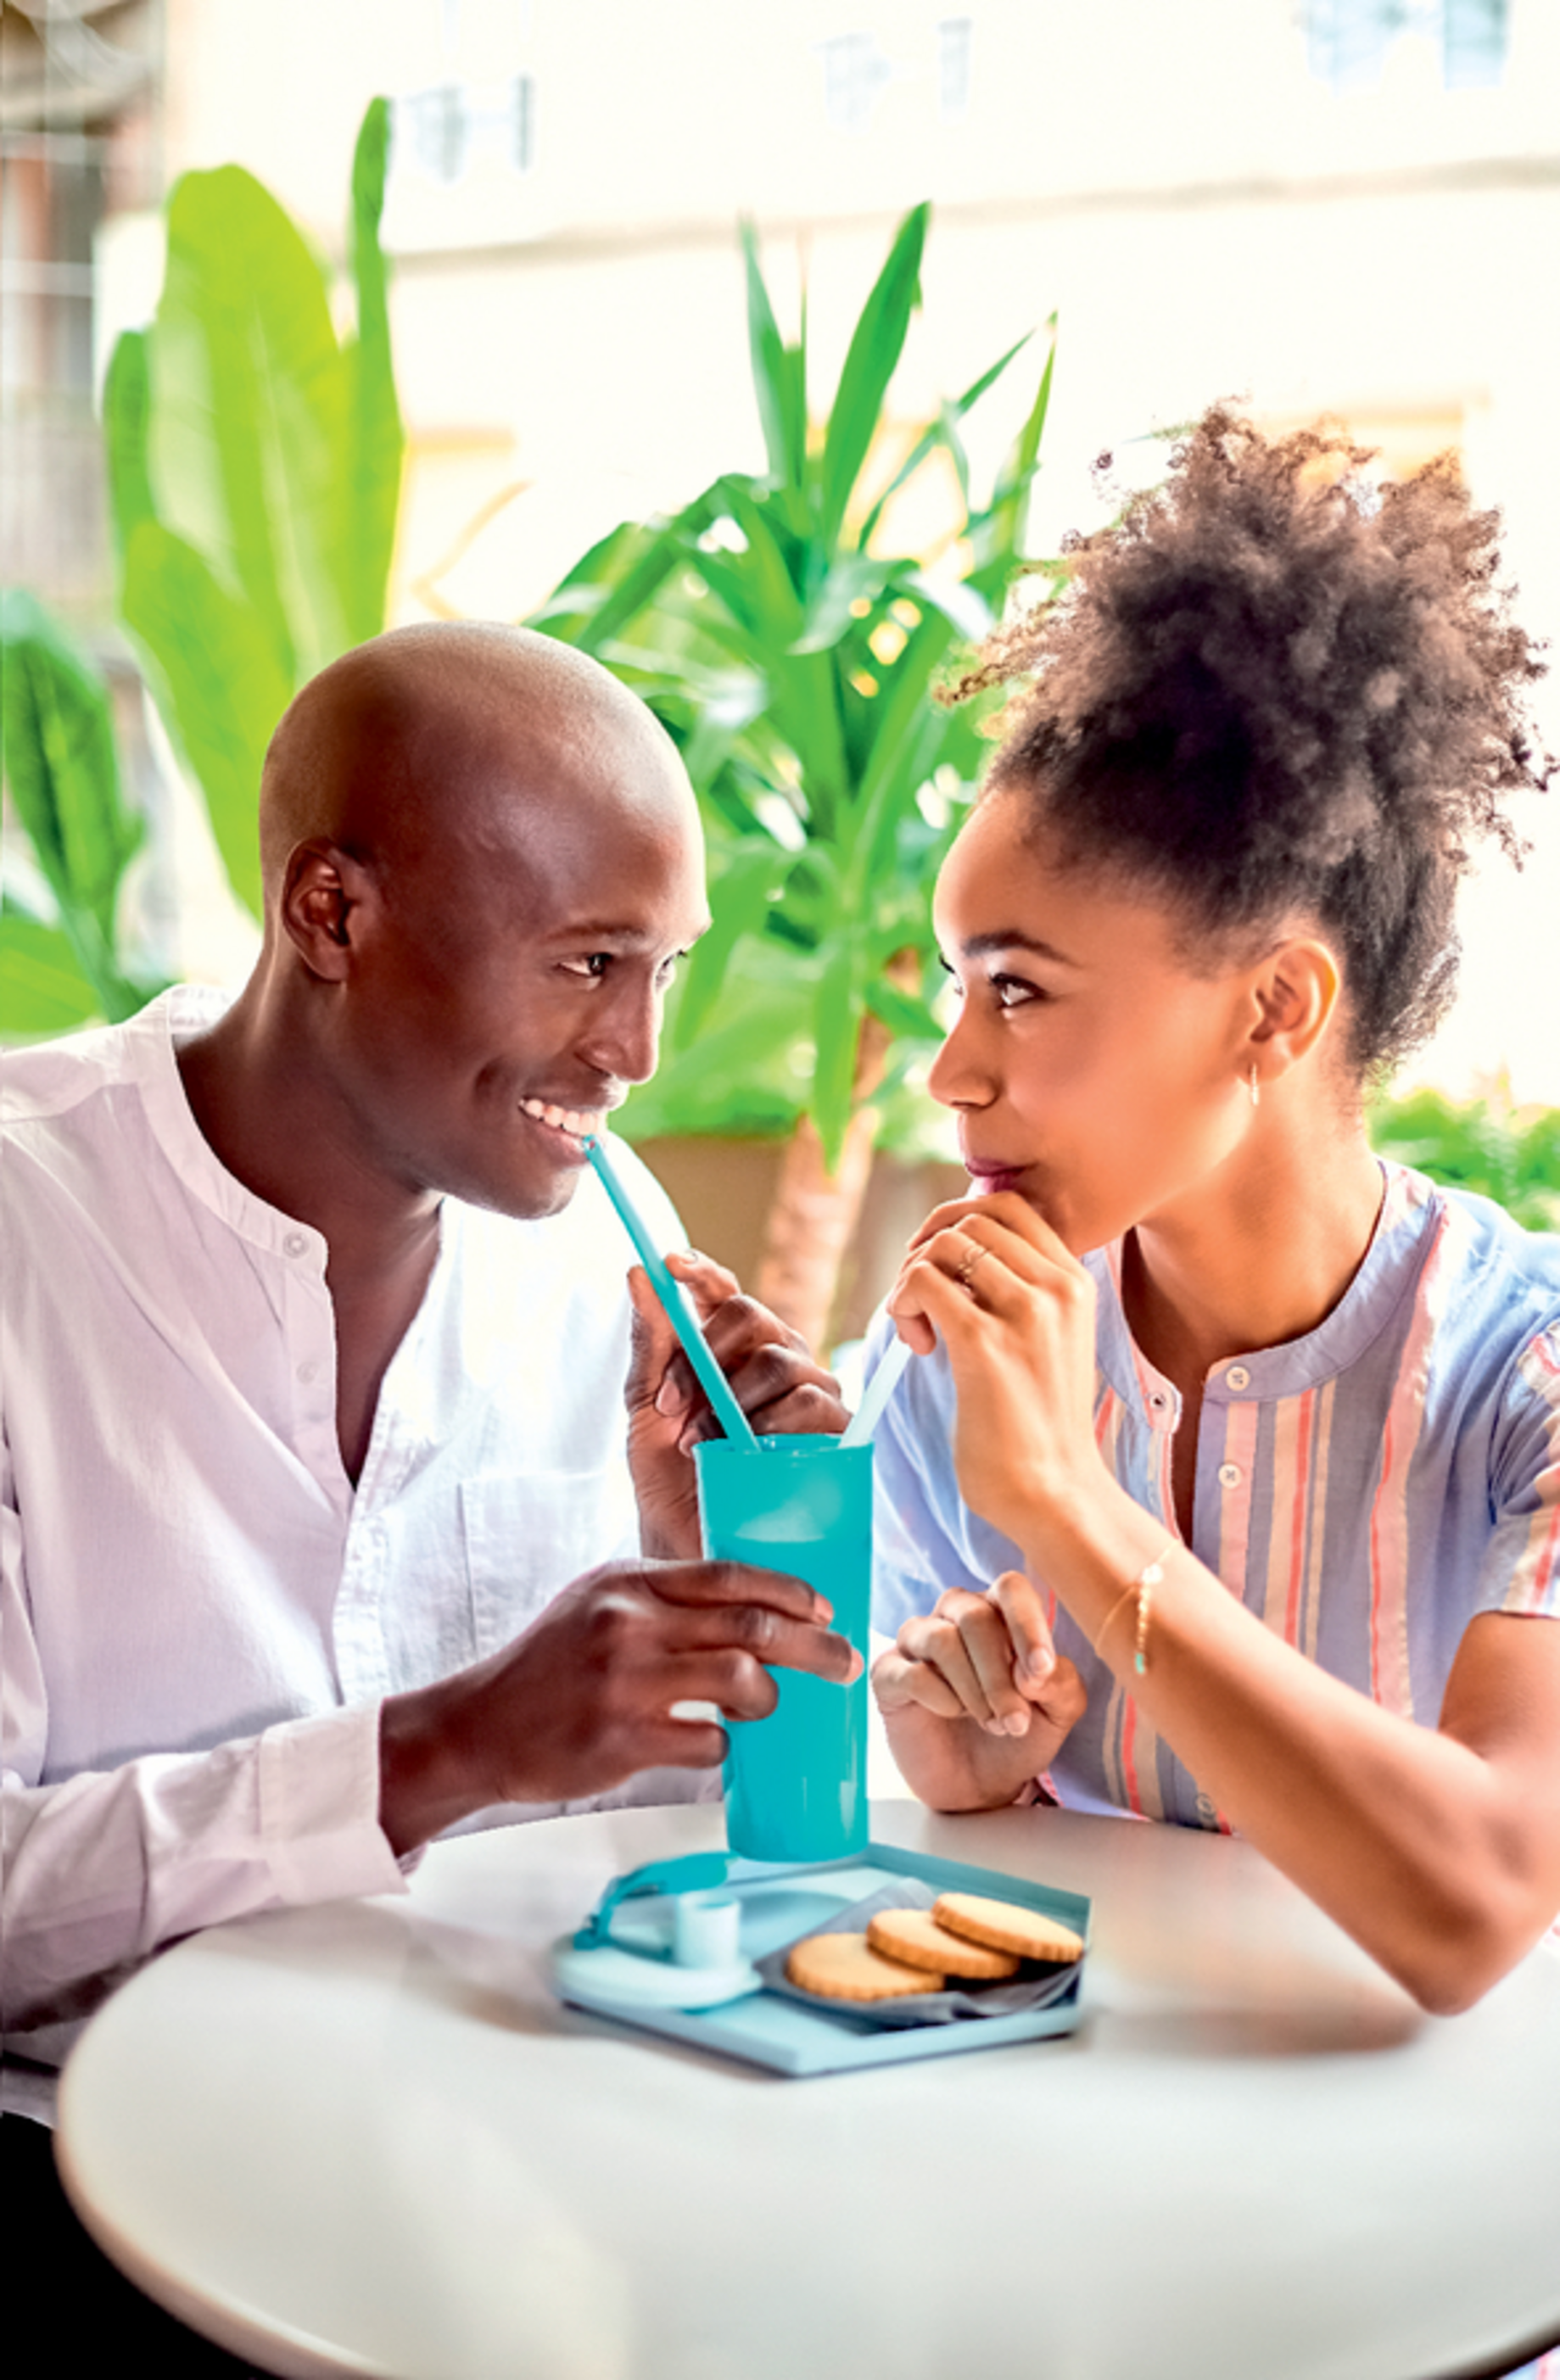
1035	1985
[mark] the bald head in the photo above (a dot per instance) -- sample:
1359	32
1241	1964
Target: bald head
482	859
412	744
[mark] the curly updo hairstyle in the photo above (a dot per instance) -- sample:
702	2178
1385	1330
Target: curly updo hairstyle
1273	692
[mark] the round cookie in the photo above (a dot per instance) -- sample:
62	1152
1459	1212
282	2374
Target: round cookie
914	1936
844	1967
1005	1925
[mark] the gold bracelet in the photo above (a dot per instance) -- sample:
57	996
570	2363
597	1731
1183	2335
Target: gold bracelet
1142	1588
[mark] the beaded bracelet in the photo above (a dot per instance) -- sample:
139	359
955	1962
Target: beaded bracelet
1143	1586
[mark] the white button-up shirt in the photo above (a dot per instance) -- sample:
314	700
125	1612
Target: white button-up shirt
201	1613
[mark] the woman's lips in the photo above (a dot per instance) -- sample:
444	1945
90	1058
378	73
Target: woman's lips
987	1177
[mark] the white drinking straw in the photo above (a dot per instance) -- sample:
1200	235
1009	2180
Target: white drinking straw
880	1388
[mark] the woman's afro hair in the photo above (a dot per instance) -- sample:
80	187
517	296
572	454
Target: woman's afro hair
1273	691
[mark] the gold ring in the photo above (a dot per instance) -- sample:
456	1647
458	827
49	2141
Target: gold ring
967	1265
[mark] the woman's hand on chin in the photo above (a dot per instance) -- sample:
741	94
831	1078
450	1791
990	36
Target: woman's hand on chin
975	1698
1014	1311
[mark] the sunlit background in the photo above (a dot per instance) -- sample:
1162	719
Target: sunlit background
1339	206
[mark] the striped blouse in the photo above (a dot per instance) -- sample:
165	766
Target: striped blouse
1366	1490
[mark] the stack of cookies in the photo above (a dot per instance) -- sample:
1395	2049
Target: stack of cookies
963	1938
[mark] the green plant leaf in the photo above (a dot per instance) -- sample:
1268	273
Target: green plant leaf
249	417
223	684
875	351
852	578
961	602
748	879
367	473
1471	1145
909	731
996	536
738	1077
936	434
905	1016
61	766
778	383
42	988
126	413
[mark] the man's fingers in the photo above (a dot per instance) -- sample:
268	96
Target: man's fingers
729	1584
683	1743
761	1615
735	1638
709	1283
652	1342
771	1372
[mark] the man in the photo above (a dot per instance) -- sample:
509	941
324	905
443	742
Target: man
316	1336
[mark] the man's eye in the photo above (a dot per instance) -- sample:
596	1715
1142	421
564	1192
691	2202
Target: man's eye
594	964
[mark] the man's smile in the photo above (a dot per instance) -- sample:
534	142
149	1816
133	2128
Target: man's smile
571	1125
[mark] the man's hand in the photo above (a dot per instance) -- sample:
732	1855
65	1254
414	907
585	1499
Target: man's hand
775	1381
584	1699
975	1698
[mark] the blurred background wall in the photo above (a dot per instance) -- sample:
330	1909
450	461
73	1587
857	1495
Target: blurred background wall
1349	206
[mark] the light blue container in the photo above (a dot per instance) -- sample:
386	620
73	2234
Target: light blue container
796	1782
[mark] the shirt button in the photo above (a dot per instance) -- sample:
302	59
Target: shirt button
295	1244
1229	1474
1238	1376
1205	1809
309	1371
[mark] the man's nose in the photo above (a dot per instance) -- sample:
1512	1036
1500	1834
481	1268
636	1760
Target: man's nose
626	1037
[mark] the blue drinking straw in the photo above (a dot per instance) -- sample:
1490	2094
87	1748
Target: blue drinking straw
676	1299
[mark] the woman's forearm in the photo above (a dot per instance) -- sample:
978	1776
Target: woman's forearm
1433	1848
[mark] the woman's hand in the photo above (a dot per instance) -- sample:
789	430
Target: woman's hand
1015	1312
975	1698
772	1376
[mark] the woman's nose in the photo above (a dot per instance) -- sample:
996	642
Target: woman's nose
960	1077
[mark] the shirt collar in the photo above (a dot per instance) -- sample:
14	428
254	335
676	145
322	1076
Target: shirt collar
152	1041
1411	1206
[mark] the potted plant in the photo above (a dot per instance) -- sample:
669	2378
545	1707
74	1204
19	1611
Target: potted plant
792	651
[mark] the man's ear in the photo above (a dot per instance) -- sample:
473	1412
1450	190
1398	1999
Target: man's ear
1295	995
326	900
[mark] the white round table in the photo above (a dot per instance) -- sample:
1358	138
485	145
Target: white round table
364	2138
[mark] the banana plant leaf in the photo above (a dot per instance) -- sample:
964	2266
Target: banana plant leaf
61	771
254	465
43	989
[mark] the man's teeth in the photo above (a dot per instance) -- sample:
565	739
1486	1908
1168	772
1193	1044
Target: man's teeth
582	1122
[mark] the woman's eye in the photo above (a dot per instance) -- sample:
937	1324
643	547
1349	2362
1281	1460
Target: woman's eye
1012	992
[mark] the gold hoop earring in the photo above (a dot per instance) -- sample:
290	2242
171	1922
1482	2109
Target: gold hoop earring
1254	1086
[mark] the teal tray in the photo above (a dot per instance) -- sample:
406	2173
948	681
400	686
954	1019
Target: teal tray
778	1905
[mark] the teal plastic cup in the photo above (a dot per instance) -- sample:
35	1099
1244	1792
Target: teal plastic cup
796	1782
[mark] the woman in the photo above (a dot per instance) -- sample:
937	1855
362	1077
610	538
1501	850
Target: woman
1259	1438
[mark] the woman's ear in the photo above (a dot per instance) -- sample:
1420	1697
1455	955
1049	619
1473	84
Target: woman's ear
325	897
1295	995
